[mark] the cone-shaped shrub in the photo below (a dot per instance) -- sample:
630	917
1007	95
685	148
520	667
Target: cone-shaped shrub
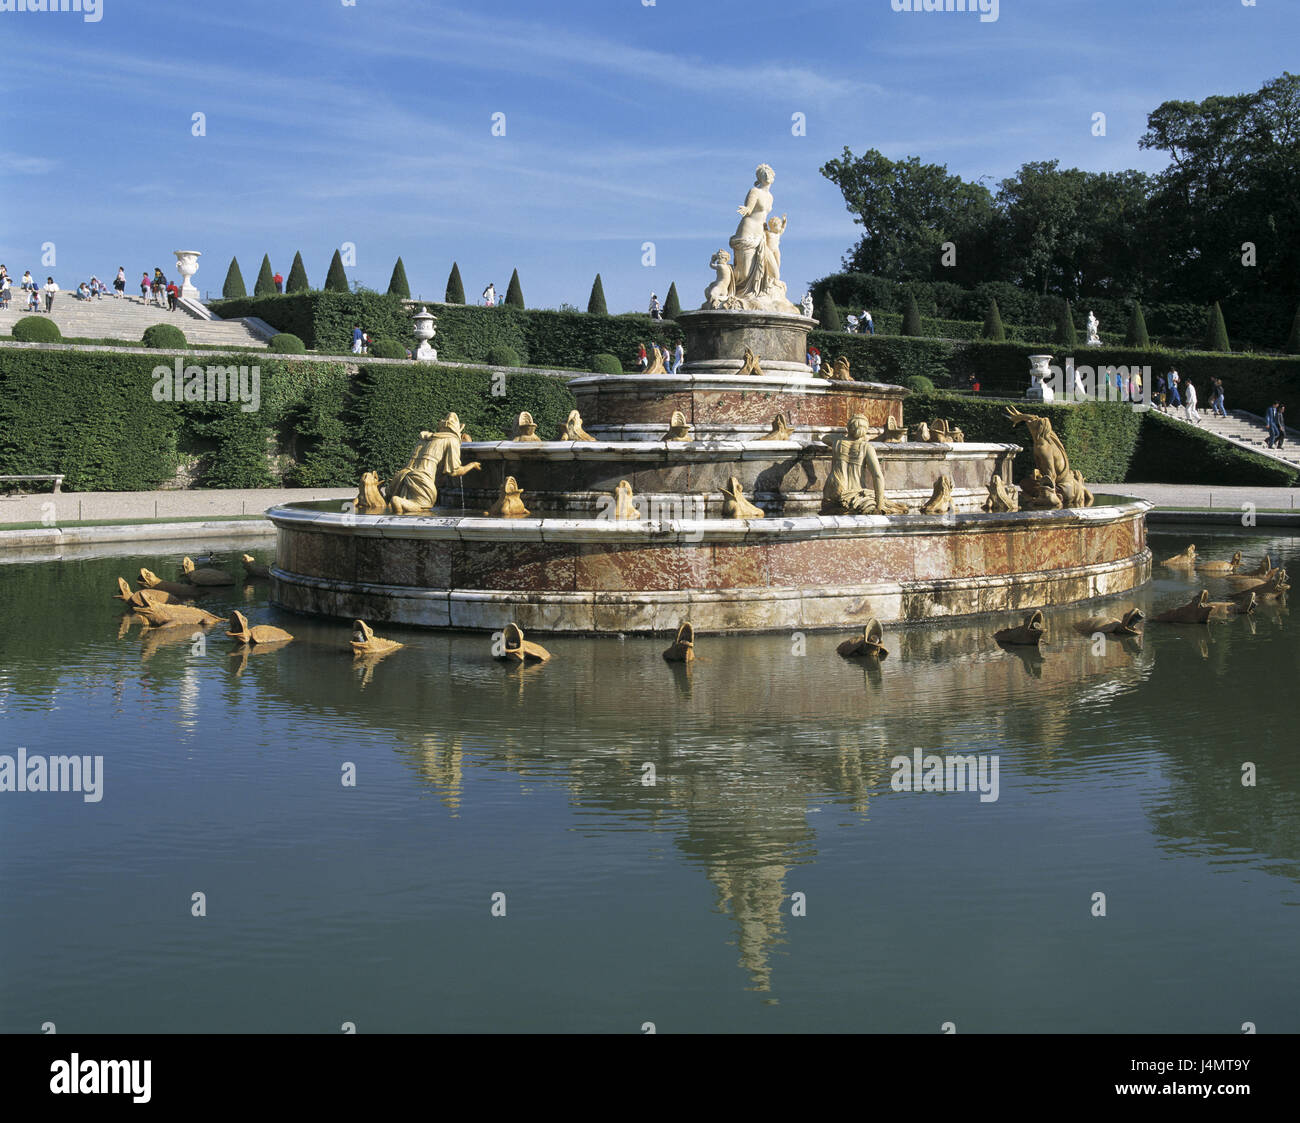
1216	331
515	294
828	315
1293	344
455	289
265	279
234	288
911	317
336	280
993	329
596	301
672	306
1065	333
397	285
297	281
1136	336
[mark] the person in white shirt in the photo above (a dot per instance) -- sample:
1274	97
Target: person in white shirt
50	289
1189	396
490	295
868	324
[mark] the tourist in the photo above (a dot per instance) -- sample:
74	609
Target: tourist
356	339
279	281
119	283
867	322
50	289
1190	408
144	288
83	291
679	356
1175	398
173	294
1276	426
96	288
816	360
642	359
1281	425
1216	397
490	295
33	301
365	343
1159	389
656	312
28	283
6	291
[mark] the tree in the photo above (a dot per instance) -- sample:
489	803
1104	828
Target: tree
1216	331
234	289
993	329
397	285
297	281
515	294
455	290
596	301
1065	333
912	317
909	211
672	306
265	278
829	315
336	280
1136	336
1293	344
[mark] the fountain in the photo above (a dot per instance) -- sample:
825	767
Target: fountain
639	516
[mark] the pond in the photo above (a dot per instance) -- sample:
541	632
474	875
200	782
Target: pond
609	840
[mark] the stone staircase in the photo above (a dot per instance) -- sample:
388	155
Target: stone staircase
127	318
1246	430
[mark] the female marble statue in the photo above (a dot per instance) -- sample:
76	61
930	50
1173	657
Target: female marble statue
749	242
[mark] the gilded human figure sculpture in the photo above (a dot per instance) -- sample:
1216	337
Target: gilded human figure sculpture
414	488
751	279
855	485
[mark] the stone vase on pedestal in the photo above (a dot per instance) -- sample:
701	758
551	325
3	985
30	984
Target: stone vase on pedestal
426	326
187	264
1040	370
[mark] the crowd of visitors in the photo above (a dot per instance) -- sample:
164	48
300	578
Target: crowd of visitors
156	289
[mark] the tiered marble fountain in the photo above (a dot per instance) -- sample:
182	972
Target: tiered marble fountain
743	494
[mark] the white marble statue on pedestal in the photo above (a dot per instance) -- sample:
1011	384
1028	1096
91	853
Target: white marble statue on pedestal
807	305
1094	331
752	279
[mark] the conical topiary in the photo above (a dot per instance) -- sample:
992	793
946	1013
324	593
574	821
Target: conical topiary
596	301
297	281
515	294
1293	344
265	278
1065	333
336	280
455	288
912	317
828	315
993	329
234	289
672	306
1137	336
397	285
1216	331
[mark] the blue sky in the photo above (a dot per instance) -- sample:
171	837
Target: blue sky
625	123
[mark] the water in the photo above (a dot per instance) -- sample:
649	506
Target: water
1119	773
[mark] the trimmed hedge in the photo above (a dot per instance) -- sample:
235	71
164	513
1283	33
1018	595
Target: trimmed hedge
36	329
388	349
165	337
1173	452
286	343
500	355
605	363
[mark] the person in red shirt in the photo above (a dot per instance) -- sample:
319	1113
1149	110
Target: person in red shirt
173	294
279	282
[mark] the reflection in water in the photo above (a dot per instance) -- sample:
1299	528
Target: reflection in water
750	738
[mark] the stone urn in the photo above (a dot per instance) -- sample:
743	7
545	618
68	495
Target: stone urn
1040	370
187	264
426	327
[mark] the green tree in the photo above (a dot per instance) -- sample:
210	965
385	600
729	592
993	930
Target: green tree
234	289
1065	333
336	280
455	289
672	306
397	285
829	316
515	294
297	281
1136	336
993	329
1216	331
912	317
596	302
265	278
1293	343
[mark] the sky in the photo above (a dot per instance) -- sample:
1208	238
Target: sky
626	122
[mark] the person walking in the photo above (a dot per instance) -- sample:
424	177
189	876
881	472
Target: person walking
278	281
119	283
6	291
851	324
1159	390
356	339
1175	397
656	311
868	324
173	294
1281	425
50	289
642	359
1189	389
490	295
144	288
1216	397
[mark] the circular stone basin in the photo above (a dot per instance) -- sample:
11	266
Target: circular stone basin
449	569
